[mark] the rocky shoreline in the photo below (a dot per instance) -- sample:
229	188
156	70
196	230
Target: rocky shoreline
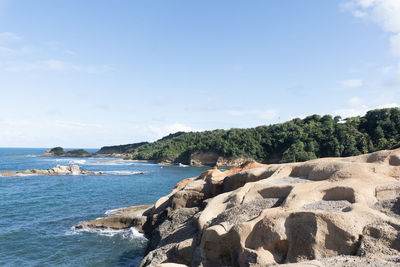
196	158
79	153
57	170
325	212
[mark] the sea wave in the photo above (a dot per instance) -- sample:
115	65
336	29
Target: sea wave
70	161
110	212
130	233
113	211
105	163
183	165
25	174
124	172
77	161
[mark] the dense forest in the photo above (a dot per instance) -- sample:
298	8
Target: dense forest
292	141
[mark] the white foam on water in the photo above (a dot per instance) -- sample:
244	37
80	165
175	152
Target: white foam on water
130	233
25	174
73	231
111	163
183	165
69	160
77	161
123	172
110	212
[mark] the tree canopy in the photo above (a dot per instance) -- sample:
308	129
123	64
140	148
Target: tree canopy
292	141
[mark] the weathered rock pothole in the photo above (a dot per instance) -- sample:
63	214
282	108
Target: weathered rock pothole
247	211
328	205
390	207
272	215
287	180
340	193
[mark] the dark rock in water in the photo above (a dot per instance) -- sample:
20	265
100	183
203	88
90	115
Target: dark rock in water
124	218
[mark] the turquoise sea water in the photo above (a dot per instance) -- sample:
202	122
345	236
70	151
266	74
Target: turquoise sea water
37	213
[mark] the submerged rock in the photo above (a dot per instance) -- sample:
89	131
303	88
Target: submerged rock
335	211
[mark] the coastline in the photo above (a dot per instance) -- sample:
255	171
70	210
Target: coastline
204	219
218	161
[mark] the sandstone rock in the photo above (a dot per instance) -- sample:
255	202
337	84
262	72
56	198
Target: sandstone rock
325	212
213	159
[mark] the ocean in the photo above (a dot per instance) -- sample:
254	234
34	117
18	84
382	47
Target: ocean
38	212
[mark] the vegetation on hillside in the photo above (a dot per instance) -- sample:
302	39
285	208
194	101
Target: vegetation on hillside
120	148
60	152
57	151
292	141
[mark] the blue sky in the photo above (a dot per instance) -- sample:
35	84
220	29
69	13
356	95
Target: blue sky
93	73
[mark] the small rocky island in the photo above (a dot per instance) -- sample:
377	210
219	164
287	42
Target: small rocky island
60	152
81	153
324	212
57	170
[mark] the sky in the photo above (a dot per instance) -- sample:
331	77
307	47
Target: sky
94	73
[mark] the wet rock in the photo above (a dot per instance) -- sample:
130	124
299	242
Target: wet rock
126	218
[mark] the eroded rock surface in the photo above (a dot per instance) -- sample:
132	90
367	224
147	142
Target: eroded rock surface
326	212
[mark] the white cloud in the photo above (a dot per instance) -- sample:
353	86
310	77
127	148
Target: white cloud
384	12
395	44
359	14
156	132
6	51
356	107
75	125
9	37
350	112
69	52
44	132
52	43
17	59
389	105
51	65
387	69
262	114
179	127
355	102
353	83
